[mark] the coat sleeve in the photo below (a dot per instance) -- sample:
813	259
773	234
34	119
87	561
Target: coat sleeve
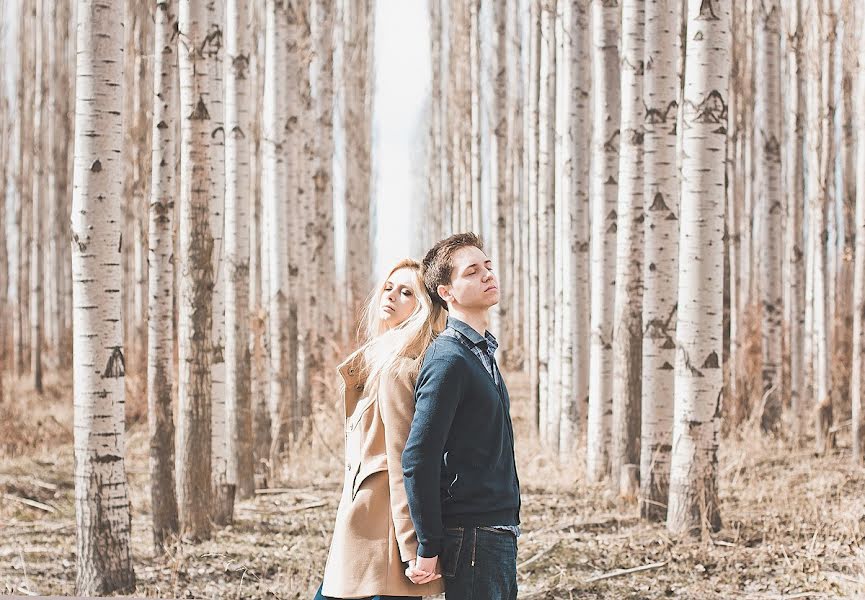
396	404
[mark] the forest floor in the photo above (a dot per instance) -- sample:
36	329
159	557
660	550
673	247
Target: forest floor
793	522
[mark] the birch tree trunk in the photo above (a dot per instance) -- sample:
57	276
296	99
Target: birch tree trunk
693	500
660	267
818	117
548	405
769	201
102	509
324	251
36	300
627	329
856	391
606	117
532	151
240	470
160	325
195	317
795	298
275	219
358	25
576	80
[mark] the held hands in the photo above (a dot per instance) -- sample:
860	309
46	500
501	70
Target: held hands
423	570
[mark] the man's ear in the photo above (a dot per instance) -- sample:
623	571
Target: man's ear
444	292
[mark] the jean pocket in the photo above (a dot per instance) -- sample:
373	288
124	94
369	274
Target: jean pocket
451	547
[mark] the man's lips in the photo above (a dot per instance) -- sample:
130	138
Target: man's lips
492	287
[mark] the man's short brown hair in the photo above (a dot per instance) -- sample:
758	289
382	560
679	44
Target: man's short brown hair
437	264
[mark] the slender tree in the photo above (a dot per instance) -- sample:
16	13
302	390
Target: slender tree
548	398
238	132
574	203
693	500
530	215
660	267
358	28
196	276
160	331
769	202
857	393
627	328
605	143
37	183
794	303
102	509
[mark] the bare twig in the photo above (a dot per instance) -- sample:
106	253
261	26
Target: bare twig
620	572
538	556
31	503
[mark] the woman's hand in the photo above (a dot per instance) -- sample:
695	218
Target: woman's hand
423	570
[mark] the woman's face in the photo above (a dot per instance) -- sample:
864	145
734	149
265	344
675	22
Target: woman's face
397	300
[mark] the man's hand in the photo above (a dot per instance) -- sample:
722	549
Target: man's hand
423	570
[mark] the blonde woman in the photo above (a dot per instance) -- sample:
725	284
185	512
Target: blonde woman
374	541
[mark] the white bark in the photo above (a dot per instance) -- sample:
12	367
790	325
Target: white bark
274	199
769	199
574	208
196	277
794	303
548	399
856	392
660	266
628	327
531	216
102	509
160	323
693	500
605	144
36	262
238	135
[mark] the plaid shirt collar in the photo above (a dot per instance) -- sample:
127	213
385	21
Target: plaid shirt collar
487	342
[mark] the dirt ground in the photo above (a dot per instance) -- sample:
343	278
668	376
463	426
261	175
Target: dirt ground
793	522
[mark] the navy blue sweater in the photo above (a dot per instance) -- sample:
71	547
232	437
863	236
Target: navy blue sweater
458	461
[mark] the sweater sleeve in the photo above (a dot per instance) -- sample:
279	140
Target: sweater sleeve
437	395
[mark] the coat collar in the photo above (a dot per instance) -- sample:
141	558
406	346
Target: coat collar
352	367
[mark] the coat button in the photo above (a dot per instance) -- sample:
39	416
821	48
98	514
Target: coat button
358	387
351	371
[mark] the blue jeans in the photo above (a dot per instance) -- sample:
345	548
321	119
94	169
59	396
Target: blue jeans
319	596
479	563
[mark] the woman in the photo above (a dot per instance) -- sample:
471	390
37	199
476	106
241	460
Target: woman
374	539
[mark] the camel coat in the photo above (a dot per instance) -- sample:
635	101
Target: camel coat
374	534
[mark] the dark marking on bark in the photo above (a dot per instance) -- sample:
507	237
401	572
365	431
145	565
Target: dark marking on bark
240	64
712	109
96	167
199	113
711	361
116	366
658	202
707	11
610	144
666	367
162	125
82	247
107	458
657	115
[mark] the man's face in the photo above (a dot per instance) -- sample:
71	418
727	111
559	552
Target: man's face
473	284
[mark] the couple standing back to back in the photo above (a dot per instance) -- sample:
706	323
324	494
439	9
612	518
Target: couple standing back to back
431	496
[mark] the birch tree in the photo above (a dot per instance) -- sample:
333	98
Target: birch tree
794	303
238	133
548	398
660	267
531	213
605	148
102	510
693	499
36	263
768	150
160	324
196	276
627	328
856	392
574	211
274	197
358	27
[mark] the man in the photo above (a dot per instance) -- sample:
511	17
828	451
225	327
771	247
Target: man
458	463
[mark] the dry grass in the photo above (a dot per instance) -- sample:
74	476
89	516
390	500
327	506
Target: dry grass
794	523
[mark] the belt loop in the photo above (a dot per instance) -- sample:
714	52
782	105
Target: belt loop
474	546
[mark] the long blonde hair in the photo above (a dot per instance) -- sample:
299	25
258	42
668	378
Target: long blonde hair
399	351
